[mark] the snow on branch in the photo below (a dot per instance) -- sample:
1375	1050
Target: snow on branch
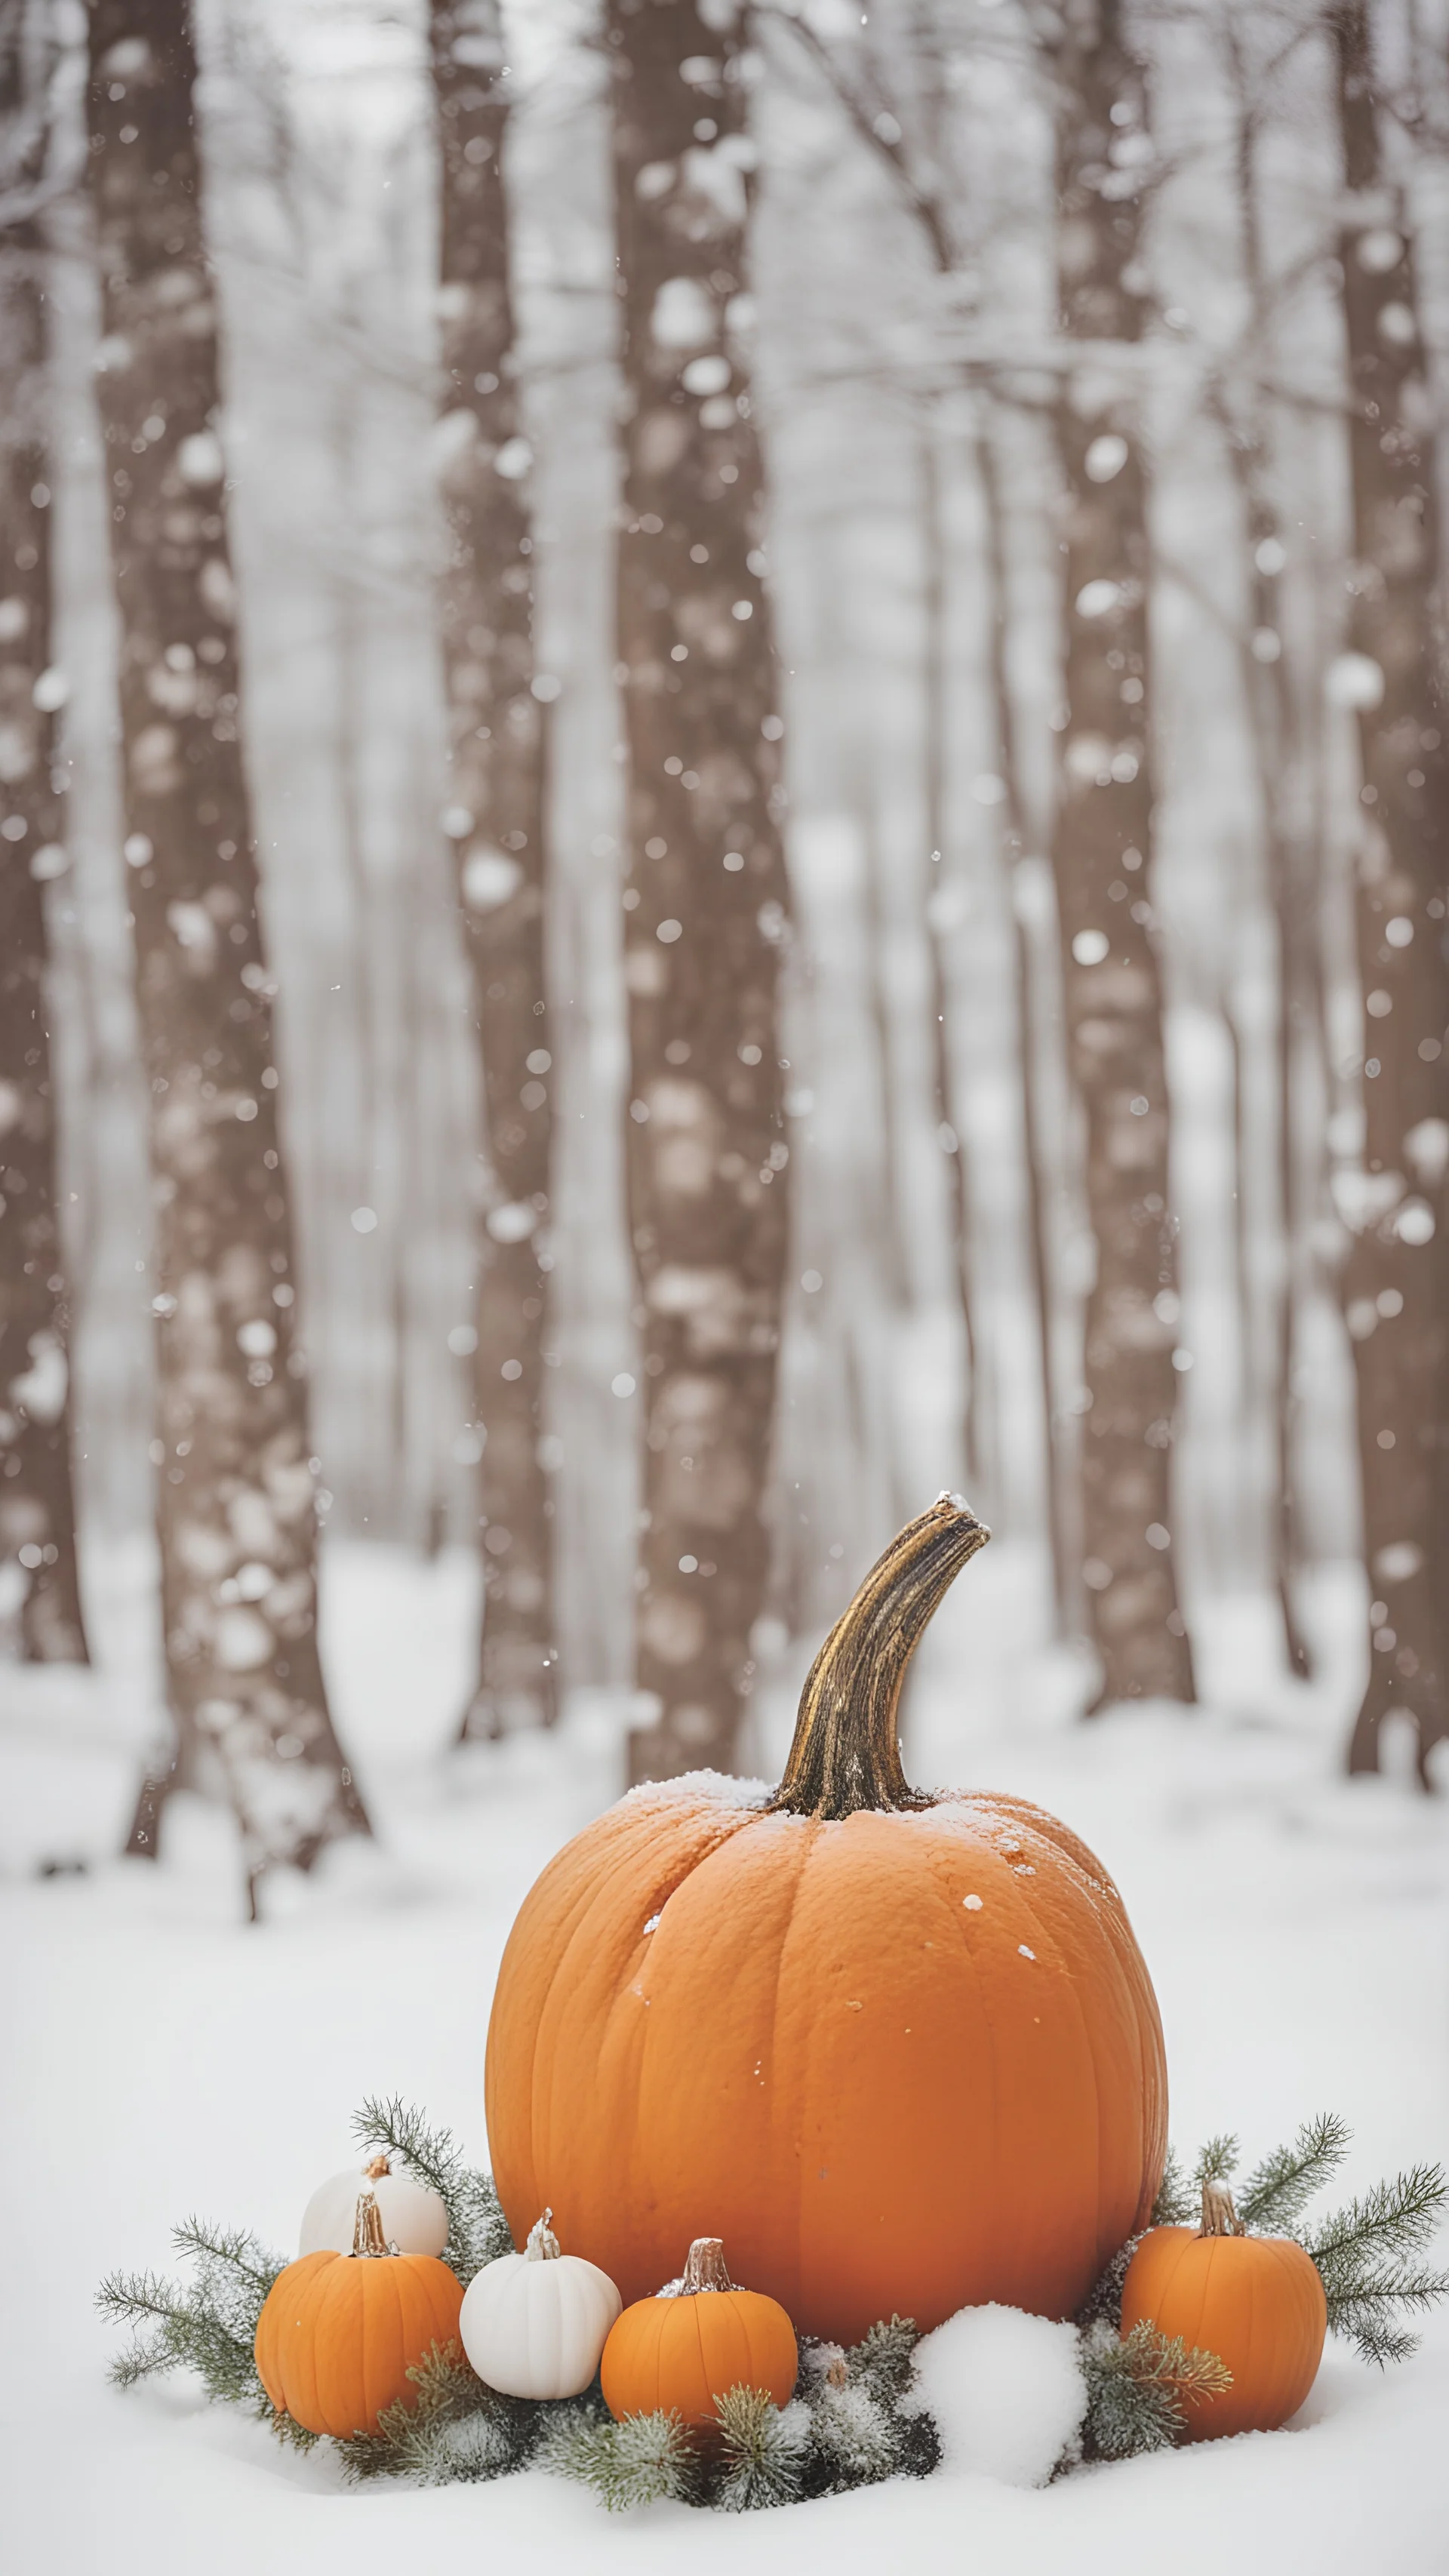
477	2230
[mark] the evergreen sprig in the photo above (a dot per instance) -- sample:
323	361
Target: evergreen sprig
207	2325
764	2449
1279	2189
1139	2388
1365	2257
635	2462
456	2429
477	2230
1176	2201
1366	2254
1217	2162
864	2424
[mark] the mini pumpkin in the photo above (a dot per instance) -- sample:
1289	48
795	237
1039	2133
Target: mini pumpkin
338	2333
678	2352
534	2324
1256	2301
820	2013
414	2219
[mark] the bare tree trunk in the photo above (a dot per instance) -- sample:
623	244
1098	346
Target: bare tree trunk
1396	1280
1065	1591
1103	862
37	1512
496	820
236	1508
706	894
952	1141
1279	758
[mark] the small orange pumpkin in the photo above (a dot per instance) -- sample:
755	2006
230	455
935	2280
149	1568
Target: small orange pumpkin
678	2352
1256	2301
819	2014
339	2333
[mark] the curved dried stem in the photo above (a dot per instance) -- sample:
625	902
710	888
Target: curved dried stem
845	1755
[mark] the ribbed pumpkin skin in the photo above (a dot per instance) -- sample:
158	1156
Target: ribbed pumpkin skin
339	2333
537	2329
1256	2301
824	2056
682	2353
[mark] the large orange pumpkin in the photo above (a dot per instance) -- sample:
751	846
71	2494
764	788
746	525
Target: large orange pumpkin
1256	2301
680	2351
338	2333
900	2050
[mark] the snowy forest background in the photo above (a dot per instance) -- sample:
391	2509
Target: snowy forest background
827	624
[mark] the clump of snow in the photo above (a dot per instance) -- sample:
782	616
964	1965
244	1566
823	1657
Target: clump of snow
720	1787
1007	2393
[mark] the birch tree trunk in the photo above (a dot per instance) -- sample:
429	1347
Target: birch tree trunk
236	1509
1102	857
496	821
37	1513
706	893
1396	1280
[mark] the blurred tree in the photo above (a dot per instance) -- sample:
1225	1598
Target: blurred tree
1396	1279
496	820
236	1501
706	893
1239	397
1103	860
37	1514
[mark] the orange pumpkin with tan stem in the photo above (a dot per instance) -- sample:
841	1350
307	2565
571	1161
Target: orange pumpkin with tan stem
831	2016
679	2352
1256	2301
339	2332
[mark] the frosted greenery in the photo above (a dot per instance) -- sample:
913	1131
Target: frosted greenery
206	2324
477	2229
1369	2254
1138	2387
855	2418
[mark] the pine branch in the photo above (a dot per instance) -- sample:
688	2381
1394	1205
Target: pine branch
477	2228
1217	2161
1364	2252
633	2462
209	2326
232	2245
1103	2302
455	2430
182	2330
764	2450
1278	2190
883	2362
433	2155
1175	2203
1393	2218
1139	2387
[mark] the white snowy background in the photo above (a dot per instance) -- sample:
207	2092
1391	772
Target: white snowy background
160	2056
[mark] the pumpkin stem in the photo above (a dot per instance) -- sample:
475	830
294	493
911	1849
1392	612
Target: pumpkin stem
367	2235
543	2246
1219	2216
845	1755
705	2268
378	2167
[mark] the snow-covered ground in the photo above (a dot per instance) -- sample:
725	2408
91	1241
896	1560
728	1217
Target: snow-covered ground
163	2058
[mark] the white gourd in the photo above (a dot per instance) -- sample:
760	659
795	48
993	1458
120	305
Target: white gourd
534	2324
414	2219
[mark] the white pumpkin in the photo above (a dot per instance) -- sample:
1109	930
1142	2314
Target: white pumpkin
534	2324
414	2219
